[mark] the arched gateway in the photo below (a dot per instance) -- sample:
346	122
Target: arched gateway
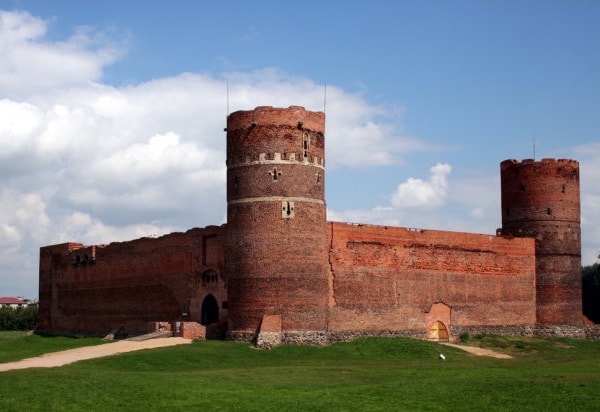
438	331
210	310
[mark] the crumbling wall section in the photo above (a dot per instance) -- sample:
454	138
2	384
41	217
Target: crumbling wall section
389	278
92	290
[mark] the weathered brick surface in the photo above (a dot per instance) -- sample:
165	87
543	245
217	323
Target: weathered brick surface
388	278
95	289
541	200
276	249
269	334
277	272
189	330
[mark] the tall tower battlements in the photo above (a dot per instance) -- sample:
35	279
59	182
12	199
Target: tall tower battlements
277	243
540	199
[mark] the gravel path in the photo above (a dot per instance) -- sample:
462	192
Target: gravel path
479	351
55	359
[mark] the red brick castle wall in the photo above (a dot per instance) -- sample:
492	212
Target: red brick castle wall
279	272
389	278
541	200
95	289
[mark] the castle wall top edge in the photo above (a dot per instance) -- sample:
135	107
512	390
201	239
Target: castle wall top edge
62	247
293	116
72	246
391	228
514	162
275	109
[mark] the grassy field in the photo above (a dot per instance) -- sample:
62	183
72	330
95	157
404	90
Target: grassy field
368	374
20	345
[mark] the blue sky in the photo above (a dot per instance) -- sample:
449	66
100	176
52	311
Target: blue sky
112	112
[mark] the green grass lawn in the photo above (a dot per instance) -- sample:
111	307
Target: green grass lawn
15	345
368	374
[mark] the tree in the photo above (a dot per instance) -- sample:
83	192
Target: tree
591	291
24	318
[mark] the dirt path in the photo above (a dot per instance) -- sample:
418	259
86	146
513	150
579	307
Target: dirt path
479	351
55	359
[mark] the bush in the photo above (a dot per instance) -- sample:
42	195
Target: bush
591	291
24	318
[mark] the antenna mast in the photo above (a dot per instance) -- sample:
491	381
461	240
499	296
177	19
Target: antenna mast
534	145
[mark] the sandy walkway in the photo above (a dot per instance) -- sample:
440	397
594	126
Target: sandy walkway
479	351
51	360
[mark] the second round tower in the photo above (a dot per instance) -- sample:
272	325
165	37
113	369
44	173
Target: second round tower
540	199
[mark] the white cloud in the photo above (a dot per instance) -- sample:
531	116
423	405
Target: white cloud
89	162
469	202
31	64
589	167
418	193
25	211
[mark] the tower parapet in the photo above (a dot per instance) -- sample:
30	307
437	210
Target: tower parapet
540	199
276	248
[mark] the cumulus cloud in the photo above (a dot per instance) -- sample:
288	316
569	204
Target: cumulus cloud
423	193
90	162
467	202
31	64
589	164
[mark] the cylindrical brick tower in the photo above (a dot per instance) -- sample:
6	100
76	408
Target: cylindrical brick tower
276	252
541	200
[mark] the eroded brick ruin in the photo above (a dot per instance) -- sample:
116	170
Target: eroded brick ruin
278	272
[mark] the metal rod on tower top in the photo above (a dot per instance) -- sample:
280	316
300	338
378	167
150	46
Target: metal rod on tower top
227	97
534	145
324	97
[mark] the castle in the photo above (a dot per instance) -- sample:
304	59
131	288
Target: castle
279	272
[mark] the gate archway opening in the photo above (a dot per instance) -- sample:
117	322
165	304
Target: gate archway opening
438	331
210	310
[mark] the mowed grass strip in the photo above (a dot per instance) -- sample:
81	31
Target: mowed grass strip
367	374
16	345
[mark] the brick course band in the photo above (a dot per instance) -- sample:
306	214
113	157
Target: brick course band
276	199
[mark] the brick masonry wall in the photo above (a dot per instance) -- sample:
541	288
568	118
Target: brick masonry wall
276	250
278	258
541	200
189	330
125	285
389	278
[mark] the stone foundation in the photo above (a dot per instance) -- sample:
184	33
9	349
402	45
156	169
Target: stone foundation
592	331
325	338
268	340
547	331
241	336
347	336
305	337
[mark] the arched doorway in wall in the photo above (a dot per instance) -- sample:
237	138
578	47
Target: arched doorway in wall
209	311
438	331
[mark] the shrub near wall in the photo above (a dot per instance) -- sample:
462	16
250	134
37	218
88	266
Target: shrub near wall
18	318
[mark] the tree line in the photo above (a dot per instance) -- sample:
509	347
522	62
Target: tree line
22	318
591	291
